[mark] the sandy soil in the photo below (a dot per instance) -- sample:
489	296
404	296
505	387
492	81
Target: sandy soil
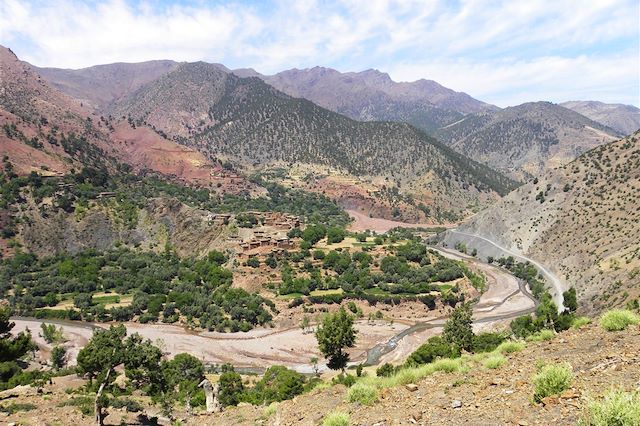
256	348
362	222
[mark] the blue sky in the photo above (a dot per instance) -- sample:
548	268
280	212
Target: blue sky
502	52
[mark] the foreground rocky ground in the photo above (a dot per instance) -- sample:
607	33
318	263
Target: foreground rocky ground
600	360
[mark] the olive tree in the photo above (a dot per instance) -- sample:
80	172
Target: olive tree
334	335
109	349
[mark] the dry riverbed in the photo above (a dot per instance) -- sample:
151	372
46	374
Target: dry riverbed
261	348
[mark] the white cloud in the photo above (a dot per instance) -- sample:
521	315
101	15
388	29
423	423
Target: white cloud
504	82
502	51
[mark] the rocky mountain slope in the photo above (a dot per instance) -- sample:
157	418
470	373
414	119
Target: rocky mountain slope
582	220
371	95
250	122
101	85
521	141
47	131
526	139
623	118
162	222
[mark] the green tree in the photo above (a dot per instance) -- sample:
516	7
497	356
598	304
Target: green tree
277	384
231	387
314	233
335	234
334	335
253	261
435	347
83	301
11	348
58	355
458	328
570	299
546	312
182	375
50	333
108	349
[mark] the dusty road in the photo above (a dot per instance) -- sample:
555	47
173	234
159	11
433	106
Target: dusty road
505	298
557	286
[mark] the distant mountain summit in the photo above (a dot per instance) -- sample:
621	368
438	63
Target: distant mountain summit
252	123
623	118
527	139
372	95
101	85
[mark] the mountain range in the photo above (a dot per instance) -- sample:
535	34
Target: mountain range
623	118
519	141
198	115
527	139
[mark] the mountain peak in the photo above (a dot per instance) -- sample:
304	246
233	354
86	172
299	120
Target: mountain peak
623	118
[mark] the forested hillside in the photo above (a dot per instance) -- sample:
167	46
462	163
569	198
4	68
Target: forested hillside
248	121
524	140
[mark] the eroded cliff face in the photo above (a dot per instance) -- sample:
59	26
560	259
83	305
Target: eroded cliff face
187	230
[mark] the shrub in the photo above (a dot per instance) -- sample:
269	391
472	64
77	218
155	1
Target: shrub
447	365
616	408
551	380
541	336
129	404
385	370
296	302
362	393
618	319
271	409
405	376
344	379
16	407
487	342
336	418
523	326
83	403
580	322
494	361
435	347
277	384
51	334
253	261
510	347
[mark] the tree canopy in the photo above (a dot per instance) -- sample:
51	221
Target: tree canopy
334	335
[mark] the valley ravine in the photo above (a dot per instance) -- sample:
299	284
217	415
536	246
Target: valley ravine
380	341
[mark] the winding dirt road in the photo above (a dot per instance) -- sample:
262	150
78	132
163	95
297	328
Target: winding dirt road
556	284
